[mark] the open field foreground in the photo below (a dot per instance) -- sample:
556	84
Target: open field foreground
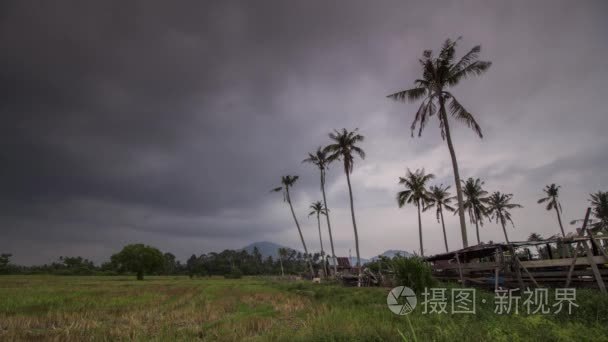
177	308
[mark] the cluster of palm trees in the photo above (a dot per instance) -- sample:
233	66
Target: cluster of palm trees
476	202
479	205
439	74
343	147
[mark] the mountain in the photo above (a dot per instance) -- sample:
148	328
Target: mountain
265	248
353	261
392	253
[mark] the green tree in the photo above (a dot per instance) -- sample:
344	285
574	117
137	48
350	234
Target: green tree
552	199
319	159
439	197
474	202
535	237
5	260
499	205
344	147
317	209
438	75
139	258
288	182
415	193
169	263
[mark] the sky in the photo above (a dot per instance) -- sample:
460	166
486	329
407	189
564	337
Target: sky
168	123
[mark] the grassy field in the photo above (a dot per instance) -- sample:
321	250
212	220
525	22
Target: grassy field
170	308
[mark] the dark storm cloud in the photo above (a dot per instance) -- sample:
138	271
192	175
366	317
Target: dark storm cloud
168	124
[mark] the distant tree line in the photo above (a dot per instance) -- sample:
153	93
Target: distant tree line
140	260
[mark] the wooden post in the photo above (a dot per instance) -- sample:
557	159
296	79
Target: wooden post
571	268
549	251
527	272
596	271
517	270
462	282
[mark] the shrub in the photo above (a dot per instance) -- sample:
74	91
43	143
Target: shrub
412	272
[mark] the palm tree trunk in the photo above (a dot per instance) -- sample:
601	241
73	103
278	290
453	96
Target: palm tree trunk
420	230
445	238
331	238
477	230
281	262
321	242
448	136
352	213
559	219
312	272
504	230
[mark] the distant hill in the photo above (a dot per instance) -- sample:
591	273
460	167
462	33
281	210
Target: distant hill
392	253
266	249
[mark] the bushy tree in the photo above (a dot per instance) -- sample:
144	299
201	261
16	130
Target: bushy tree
139	258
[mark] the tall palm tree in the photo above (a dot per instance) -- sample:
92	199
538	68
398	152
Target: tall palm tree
438	75
498	208
474	202
439	197
318	209
552	194
344	147
319	158
415	193
286	183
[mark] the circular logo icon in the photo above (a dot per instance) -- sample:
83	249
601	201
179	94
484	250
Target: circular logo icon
401	300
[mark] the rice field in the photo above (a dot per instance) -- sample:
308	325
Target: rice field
99	308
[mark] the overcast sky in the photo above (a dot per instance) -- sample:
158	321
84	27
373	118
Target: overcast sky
168	124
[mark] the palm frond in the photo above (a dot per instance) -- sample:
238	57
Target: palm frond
409	94
461	114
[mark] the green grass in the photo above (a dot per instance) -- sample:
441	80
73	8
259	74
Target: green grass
256	309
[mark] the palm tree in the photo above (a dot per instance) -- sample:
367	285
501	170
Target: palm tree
498	208
282	254
552	192
318	209
438	75
475	197
439	197
288	182
345	147
535	237
415	193
599	207
319	158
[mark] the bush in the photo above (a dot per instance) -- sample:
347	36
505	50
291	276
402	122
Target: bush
235	273
412	272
